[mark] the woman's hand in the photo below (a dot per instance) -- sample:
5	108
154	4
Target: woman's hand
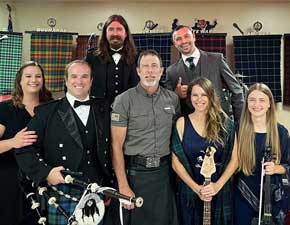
24	138
204	198
209	190
270	168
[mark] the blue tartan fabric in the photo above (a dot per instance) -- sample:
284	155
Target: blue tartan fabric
258	57
10	60
160	42
55	217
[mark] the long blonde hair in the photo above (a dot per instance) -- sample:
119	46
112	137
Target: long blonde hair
246	136
215	126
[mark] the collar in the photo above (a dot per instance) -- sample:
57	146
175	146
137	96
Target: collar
195	55
116	50
141	90
71	99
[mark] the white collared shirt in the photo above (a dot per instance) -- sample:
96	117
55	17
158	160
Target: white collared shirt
116	56
82	111
195	55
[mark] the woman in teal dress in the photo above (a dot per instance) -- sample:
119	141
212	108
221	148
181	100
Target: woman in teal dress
207	126
29	91
258	129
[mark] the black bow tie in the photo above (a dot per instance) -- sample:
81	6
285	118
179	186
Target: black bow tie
78	103
113	51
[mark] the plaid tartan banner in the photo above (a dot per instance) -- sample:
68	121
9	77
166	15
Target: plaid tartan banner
160	42
53	51
82	46
10	60
215	42
258	57
286	91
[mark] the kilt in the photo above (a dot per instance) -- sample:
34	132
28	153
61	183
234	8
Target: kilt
54	216
154	185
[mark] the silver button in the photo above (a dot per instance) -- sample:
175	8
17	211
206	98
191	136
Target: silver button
86	131
105	152
117	68
107	139
63	158
60	145
105	165
116	75
116	91
40	159
89	162
116	83
88	151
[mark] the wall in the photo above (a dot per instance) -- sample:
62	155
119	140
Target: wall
83	16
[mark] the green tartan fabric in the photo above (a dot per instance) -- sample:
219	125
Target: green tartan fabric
53	51
54	216
10	60
223	212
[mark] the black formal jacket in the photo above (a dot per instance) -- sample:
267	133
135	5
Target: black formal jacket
99	71
59	141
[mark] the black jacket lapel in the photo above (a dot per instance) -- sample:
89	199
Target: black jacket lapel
66	114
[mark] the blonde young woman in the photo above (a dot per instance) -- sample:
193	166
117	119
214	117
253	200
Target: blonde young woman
29	92
207	126
258	129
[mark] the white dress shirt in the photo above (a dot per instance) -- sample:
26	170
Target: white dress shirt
116	56
195	55
83	110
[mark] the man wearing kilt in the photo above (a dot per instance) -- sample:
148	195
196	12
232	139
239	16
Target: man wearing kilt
141	124
73	134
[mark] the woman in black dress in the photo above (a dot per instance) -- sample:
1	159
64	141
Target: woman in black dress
29	92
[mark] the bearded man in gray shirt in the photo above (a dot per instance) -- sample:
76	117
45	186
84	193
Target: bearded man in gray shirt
141	127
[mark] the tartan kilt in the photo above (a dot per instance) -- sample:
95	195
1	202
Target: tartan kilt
54	216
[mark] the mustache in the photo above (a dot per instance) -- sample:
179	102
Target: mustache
117	37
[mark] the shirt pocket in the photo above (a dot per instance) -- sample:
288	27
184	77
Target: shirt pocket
166	115
140	120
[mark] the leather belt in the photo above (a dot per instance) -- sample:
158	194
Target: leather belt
147	162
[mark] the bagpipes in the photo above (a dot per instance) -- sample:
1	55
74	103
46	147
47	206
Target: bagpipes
90	208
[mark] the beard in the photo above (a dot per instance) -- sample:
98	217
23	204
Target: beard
150	83
116	42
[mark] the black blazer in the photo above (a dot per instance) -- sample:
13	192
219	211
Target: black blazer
59	142
99	71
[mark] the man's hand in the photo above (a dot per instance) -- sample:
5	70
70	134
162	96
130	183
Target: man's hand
181	90
55	177
126	190
24	138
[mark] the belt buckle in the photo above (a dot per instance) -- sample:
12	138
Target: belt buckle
152	162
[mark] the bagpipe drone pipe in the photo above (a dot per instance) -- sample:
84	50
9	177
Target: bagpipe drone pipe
90	208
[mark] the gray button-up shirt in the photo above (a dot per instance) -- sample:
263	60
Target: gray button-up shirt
148	119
